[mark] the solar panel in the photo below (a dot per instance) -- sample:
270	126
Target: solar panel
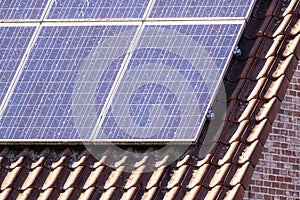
147	72
62	9
21	9
203	8
41	104
169	82
13	44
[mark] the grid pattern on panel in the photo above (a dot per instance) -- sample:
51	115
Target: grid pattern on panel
13	44
82	9
21	9
64	83
168	84
200	8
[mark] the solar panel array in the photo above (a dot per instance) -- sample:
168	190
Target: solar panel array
136	70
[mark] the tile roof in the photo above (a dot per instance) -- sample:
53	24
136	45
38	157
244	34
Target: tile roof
255	84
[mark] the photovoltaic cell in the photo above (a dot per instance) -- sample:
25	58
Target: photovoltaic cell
21	9
200	8
169	82
13	44
96	9
59	81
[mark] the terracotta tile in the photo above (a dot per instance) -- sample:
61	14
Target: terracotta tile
31	177
81	161
248	47
4	194
35	159
107	195
202	193
45	195
297	9
197	176
237	192
73	177
54	193
65	195
96	194
225	154
251	90
284	8
293	47
171	194
233	89
269	110
242	175
276	88
235	111
103	178
185	158
86	195
56	159
247	68
256	27
232	132
277	26
38	183
24	194
10	178
89	177
264	8
257	132
177	176
15	158
118	181
244	110
113	178
52	178
134	178
236	69
219	175
192	194
248	153
34	193
4	151
260	68
294	27
14	194
269	47
63	175
213	193
150	194
129	194
156	177
181	193
285	67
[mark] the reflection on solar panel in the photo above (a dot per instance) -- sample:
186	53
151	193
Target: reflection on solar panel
65	76
21	9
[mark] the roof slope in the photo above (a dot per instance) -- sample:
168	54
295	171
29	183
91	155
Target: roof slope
256	83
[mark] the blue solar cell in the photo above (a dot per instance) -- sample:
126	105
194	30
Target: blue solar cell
22	9
13	44
55	97
94	9
169	82
203	8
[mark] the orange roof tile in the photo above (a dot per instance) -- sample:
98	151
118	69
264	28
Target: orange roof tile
255	84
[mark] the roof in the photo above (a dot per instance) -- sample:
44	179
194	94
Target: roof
255	83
